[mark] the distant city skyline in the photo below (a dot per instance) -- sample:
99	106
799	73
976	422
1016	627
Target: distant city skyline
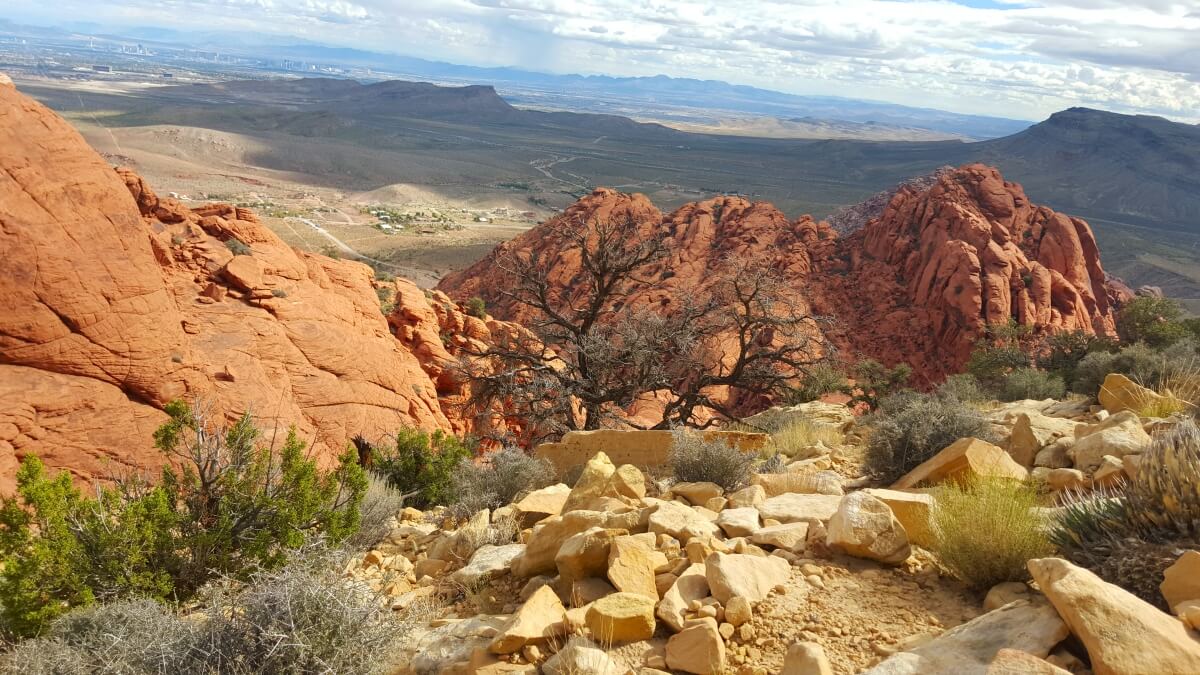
1008	58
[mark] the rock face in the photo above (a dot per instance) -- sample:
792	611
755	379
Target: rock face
919	283
113	302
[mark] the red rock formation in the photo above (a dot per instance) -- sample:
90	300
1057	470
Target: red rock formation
919	284
113	302
926	278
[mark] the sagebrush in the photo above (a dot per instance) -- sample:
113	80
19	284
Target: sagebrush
381	504
695	459
501	478
909	428
1031	383
303	617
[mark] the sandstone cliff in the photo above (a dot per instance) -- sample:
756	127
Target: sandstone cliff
114	301
917	284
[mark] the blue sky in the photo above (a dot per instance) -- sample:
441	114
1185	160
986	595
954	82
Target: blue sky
1017	59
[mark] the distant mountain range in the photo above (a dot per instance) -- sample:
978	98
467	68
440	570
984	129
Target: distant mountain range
661	90
1138	169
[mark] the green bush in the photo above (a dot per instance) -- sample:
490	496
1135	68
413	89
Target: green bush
226	505
985	530
1155	321
1005	348
1062	352
909	428
421	465
873	381
820	379
502	478
1031	383
695	459
963	387
1130	536
477	308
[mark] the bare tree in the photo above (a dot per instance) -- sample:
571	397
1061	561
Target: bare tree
613	333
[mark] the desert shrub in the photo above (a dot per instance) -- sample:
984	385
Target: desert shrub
873	381
1129	537
477	308
387	299
1005	348
909	428
304	617
985	529
963	387
1138	362
226	504
421	465
1062	352
502	478
776	463
1155	321
278	293
380	504
799	434
238	247
696	459
1031	383
820	379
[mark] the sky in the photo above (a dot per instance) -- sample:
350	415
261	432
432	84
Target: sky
1010	58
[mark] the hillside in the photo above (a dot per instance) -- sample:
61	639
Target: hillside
115	302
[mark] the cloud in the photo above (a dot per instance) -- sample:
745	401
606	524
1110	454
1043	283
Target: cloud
1018	58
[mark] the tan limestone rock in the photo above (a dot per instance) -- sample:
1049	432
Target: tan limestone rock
1122	633
1181	581
535	622
698	648
864	527
621	617
747	576
966	455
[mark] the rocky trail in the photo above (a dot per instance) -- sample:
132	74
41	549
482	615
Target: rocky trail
611	576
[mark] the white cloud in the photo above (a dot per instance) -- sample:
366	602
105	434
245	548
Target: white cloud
1020	58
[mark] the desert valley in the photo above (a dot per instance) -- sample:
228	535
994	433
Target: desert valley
307	367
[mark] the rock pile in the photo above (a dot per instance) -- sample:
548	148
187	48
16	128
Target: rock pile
610	576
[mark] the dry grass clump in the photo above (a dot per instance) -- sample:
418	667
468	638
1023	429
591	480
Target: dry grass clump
696	459
985	529
801	434
1177	389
